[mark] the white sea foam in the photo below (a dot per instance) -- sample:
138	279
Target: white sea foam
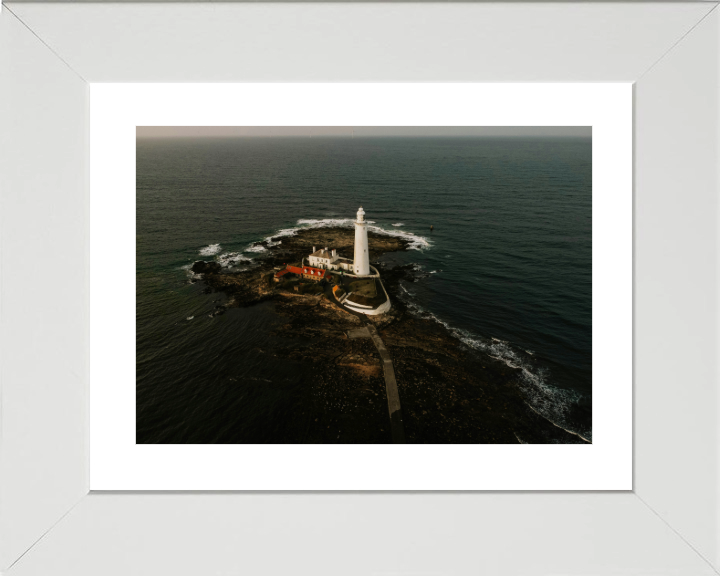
415	242
550	402
210	250
189	317
325	222
191	275
230	258
256	248
285	232
553	404
398	224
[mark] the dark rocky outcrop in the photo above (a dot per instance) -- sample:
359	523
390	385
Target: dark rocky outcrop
202	267
449	393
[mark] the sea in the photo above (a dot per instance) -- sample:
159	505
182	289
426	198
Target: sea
507	266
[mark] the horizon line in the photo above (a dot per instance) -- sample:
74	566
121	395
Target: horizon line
356	137
148	132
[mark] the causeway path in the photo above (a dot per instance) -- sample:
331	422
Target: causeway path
393	396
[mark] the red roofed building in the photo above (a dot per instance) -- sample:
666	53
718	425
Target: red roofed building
287	270
313	273
307	272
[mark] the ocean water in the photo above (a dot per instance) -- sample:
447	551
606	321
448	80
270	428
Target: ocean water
507	268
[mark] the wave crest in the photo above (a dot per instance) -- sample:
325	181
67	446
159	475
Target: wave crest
210	250
230	258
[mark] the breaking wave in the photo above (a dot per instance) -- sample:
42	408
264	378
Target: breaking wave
553	404
210	250
226	259
398	224
255	248
190	274
231	258
415	242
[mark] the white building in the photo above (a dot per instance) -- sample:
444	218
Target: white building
329	260
361	265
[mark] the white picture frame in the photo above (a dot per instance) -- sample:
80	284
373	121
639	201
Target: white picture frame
49	523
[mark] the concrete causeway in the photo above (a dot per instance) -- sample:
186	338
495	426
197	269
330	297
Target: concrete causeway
393	397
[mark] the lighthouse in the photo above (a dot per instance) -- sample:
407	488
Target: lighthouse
362	258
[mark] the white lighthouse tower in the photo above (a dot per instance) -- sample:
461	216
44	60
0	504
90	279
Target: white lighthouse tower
362	257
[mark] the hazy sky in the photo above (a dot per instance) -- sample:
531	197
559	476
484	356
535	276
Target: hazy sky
360	131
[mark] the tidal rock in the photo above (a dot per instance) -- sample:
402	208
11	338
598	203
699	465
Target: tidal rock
202	267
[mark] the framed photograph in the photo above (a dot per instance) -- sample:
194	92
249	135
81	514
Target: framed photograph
498	274
343	355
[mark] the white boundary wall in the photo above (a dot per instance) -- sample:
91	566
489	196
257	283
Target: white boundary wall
382	309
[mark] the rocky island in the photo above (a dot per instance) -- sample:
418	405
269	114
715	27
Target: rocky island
449	393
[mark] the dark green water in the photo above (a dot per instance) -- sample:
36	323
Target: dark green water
508	266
